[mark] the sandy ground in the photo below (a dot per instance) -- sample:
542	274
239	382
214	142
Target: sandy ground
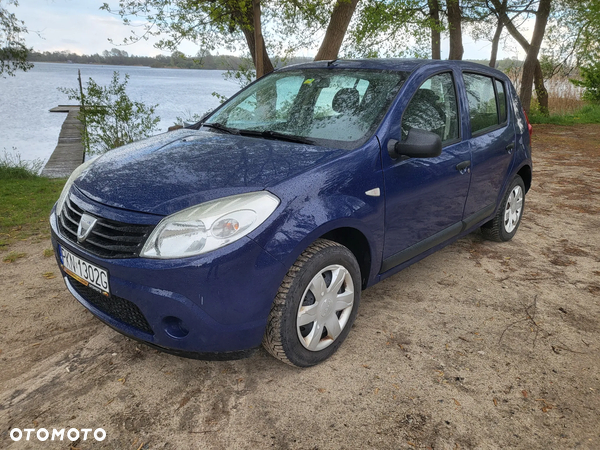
481	345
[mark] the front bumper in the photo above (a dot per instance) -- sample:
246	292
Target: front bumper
214	303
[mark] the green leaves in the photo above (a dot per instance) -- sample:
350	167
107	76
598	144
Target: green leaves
112	119
13	51
590	81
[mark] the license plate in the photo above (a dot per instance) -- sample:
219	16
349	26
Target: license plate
86	273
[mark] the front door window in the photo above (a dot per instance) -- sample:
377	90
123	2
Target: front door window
434	108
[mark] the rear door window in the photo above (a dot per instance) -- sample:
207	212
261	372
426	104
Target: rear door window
483	105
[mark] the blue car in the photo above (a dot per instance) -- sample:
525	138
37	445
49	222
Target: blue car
263	222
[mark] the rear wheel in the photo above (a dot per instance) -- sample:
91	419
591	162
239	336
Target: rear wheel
315	306
504	225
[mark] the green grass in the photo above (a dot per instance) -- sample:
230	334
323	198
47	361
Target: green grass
587	114
25	203
13	256
12	166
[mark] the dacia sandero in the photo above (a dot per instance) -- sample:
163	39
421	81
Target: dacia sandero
263	222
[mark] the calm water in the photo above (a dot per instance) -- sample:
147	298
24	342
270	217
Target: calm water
27	125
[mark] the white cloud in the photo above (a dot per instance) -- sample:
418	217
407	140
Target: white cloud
76	26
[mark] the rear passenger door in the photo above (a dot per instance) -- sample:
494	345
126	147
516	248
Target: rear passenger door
492	143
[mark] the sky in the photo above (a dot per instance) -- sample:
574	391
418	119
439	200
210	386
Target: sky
81	27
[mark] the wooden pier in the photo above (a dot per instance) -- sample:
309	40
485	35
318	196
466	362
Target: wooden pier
69	152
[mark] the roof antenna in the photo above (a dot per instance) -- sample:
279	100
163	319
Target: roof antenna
330	63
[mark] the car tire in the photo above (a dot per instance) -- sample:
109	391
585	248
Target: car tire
504	225
308	320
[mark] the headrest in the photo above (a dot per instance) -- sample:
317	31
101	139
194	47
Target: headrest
346	100
426	95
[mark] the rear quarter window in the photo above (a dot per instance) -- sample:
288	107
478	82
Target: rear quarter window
500	92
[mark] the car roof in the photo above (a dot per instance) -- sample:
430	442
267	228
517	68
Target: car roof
392	64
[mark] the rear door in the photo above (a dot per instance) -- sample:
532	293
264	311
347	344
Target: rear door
492	143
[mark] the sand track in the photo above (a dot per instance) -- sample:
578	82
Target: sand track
481	345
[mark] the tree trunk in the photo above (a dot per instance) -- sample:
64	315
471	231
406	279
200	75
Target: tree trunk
267	64
258	39
497	34
540	88
454	25
336	30
495	42
530	61
245	21
434	15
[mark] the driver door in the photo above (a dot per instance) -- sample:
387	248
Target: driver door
425	197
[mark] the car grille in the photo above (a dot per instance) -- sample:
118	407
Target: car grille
116	307
108	239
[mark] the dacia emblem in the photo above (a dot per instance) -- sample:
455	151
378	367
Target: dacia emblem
86	224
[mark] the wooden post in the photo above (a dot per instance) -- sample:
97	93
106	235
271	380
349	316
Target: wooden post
83	121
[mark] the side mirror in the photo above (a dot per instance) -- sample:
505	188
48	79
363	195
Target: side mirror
418	144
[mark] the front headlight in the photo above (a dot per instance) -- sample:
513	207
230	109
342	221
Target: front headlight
65	192
209	226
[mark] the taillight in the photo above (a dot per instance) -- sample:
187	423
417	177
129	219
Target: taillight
529	127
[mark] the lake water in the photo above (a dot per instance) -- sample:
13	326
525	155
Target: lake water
27	125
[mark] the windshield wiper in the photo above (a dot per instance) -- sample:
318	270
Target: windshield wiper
221	127
270	134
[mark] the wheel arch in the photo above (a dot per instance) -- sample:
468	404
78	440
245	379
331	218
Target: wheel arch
357	243
525	173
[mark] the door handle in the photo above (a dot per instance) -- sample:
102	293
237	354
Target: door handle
510	147
464	166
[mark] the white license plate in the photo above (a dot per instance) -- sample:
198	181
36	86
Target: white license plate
84	272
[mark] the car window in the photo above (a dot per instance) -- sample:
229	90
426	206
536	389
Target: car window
483	109
433	108
276	105
501	100
336	111
324	103
287	89
338	108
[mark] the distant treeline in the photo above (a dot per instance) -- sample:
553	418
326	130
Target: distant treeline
178	60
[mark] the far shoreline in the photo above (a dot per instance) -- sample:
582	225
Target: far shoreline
123	65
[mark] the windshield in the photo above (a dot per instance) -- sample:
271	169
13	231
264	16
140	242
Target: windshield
334	108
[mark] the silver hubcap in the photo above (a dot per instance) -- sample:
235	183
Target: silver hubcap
514	206
325	307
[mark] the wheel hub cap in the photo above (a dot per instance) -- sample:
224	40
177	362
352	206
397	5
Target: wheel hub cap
514	207
325	307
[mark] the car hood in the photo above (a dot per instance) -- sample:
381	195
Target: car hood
166	173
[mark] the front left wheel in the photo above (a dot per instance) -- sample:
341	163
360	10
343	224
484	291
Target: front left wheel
315	306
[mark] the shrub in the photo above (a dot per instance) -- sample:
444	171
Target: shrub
590	81
110	117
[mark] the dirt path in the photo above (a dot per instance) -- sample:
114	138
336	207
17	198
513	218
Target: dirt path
482	345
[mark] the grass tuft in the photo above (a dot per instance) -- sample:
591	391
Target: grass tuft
13	256
12	166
